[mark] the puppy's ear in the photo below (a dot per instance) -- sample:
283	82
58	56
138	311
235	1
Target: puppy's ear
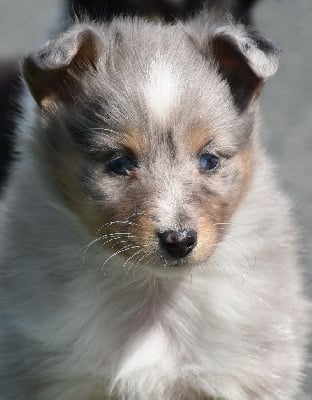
54	73
243	58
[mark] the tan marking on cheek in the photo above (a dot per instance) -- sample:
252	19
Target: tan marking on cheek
108	219
213	213
144	228
208	238
224	207
245	167
135	227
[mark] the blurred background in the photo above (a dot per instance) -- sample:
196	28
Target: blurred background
287	99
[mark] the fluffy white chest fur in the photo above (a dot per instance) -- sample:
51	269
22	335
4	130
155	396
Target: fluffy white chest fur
94	304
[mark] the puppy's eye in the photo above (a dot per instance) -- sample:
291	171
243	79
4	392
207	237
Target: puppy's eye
122	165
208	161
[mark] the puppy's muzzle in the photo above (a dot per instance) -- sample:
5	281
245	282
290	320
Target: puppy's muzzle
178	244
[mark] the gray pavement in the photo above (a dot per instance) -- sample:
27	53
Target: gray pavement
287	100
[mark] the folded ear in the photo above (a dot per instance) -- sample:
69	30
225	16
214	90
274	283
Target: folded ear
54	73
243	58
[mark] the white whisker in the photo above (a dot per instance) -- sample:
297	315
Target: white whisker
116	253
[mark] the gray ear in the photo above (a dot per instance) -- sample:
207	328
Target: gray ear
243	58
54	73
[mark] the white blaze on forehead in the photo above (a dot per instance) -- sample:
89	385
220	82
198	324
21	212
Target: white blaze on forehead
162	89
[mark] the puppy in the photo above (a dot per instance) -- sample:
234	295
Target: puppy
147	252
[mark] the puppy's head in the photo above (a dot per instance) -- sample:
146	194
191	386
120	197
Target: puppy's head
147	131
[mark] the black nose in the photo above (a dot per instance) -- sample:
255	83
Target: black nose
178	243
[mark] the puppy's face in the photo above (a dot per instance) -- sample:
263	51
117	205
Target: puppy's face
149	133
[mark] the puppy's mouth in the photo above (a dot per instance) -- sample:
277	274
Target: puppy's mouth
135	246
169	251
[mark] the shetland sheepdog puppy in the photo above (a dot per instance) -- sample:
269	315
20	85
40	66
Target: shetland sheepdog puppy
146	250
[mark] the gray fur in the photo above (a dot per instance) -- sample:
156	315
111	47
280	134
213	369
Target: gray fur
92	308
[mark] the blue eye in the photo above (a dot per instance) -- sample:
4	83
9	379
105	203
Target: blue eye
122	165
208	161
